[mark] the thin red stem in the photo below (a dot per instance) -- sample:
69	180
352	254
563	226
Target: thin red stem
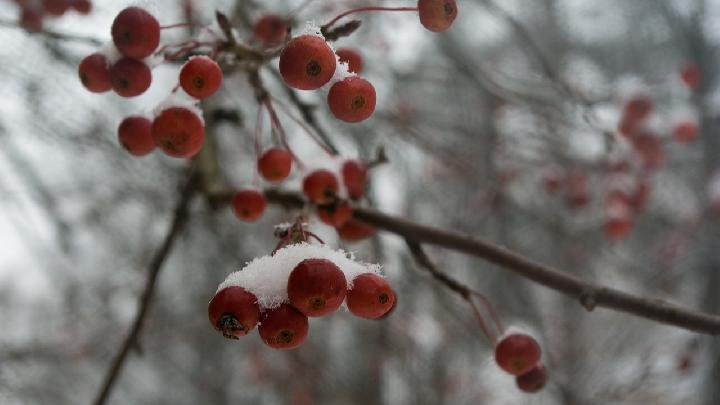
306	128
491	338
364	9
177	25
256	140
278	126
490	309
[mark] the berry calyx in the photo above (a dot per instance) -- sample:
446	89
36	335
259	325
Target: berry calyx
283	327
353	231
517	353
270	29
316	287
275	164
352	58
321	186
233	312
130	77
532	381
437	15
354	174
370	297
249	205
307	62
135	135
352	99
94	72
200	77
135	32
179	132
335	215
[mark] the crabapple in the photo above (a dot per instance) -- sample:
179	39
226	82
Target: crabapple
94	72
275	164
532	381
136	33
316	287
249	205
283	327
335	215
618	226
638	108
354	174
234	312
270	29
437	15
517	353
370	297
691	76
353	231
81	6
685	132
352	58
135	135
55	7
179	132
200	77
130	77
320	186
31	18
352	99
307	62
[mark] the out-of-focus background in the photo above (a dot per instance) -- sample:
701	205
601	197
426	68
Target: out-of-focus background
506	127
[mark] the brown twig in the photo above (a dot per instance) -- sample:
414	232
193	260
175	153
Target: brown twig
178	222
64	36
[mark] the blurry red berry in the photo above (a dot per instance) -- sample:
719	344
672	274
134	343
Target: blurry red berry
638	108
335	215
270	29
275	164
307	62
353	231
370	297
94	72
316	287
650	148
618	227
82	6
641	195
234	312
352	58
320	186
532	381
354	173
685	132
283	327
135	135
437	15
130	77
552	181
136	33
691	76
352	99
31	18
179	132
249	205
55	7
517	354
201	77
576	193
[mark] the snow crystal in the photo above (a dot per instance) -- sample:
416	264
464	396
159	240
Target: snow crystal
180	99
313	29
266	277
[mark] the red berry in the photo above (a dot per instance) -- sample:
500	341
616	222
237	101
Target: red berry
31	18
135	135
552	181
56	7
437	15
234	312
179	132
201	77
136	33
320	186
352	58
307	62
650	148
82	6
275	164
618	227
270	29
371	296
283	327
638	108
316	287
94	73
685	132
691	76
354	173
353	231
576	194
517	354
249	205
335	215
130	77
532	381
352	99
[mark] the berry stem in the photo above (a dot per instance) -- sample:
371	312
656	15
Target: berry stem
278	129
483	326
490	309
178	25
305	127
256	141
364	9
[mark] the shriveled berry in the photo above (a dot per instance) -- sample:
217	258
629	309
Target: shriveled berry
136	33
352	99
353	231
201	77
135	135
335	215
249	205
307	62
354	174
234	312
130	77
94	72
685	132
517	354
55	7
437	15
320	186
316	287
532	381
283	327
275	164
179	132
352	58
371	296
270	29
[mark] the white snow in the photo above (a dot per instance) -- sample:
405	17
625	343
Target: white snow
180	99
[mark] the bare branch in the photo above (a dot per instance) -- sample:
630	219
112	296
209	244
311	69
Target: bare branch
64	36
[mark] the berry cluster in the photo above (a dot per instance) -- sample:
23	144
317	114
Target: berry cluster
518	354
33	12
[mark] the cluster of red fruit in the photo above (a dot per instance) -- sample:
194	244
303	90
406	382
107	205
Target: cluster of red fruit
315	288
519	355
33	12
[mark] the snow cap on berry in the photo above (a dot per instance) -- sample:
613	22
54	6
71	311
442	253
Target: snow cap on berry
180	99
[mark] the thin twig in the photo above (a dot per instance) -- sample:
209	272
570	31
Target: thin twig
54	34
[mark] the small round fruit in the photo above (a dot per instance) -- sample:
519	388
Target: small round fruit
31	18
316	287
354	174
201	77
283	327
437	15
270	29
321	186
179	132
307	62
56	7
371	296
532	381
234	312
638	108
130	77
352	99
136	33
82	6
517	354
249	205
335	215
352	58
94	72
135	135
691	76
618	227
275	164
353	231
685	132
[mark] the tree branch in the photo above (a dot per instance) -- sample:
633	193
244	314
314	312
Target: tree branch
64	36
